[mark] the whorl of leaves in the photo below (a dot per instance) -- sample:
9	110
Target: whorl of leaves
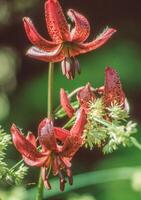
108	128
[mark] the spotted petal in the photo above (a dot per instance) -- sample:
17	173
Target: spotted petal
31	138
61	134
56	22
46	135
26	148
81	30
65	103
74	141
55	56
71	146
85	95
113	92
96	43
35	38
79	124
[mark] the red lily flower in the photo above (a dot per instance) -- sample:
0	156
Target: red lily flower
67	41
111	92
58	148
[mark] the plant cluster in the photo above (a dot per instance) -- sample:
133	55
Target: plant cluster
98	117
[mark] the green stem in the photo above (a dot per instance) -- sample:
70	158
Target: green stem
16	165
49	115
69	123
40	188
50	89
102	121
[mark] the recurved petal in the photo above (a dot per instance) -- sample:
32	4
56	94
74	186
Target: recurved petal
31	138
46	135
35	38
75	140
113	92
79	124
96	43
56	22
65	103
54	56
28	150
85	95
81	30
35	163
60	133
71	146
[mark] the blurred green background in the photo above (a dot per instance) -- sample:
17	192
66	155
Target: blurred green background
23	85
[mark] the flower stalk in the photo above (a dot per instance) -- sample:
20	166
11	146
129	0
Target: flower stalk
40	189
49	115
50	90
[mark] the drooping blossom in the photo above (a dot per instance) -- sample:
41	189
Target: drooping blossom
67	40
58	147
111	93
